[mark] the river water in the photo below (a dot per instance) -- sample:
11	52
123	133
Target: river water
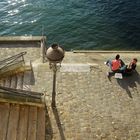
75	24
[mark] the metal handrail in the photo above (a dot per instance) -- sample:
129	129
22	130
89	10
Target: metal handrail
11	64
12	60
17	55
21	93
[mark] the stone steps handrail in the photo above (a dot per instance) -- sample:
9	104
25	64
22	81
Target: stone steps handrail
12	60
13	65
21	96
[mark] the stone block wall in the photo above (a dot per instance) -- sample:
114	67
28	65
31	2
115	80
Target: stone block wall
13	47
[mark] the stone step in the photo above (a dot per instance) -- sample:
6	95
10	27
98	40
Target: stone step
25	122
20	78
27	81
14	81
8	82
19	81
15	69
2	82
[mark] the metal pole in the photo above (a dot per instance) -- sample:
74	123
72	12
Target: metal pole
54	85
43	50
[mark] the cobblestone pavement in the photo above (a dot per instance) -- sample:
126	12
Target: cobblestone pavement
89	106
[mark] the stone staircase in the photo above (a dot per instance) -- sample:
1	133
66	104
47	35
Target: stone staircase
16	82
17	89
16	73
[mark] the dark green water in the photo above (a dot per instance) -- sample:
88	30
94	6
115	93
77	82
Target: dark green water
75	24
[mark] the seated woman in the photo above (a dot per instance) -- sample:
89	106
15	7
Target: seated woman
131	67
114	64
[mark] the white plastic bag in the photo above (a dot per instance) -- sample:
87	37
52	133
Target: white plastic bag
118	76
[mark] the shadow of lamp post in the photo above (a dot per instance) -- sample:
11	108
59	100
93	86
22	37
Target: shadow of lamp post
55	55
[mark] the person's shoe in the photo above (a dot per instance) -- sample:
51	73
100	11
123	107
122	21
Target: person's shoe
107	74
105	63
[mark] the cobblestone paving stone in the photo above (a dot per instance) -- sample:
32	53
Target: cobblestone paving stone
89	106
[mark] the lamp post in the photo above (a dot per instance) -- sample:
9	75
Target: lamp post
55	55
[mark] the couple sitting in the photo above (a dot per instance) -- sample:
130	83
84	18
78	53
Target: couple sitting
118	66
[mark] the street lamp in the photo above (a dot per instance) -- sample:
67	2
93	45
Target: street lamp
55	55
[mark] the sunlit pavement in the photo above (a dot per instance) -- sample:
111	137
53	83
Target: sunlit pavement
89	106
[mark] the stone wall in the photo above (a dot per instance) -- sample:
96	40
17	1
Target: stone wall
13	47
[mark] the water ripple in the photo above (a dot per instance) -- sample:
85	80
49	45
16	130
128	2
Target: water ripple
76	24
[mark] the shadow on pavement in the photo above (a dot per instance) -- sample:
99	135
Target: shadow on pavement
130	82
56	115
109	75
48	131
